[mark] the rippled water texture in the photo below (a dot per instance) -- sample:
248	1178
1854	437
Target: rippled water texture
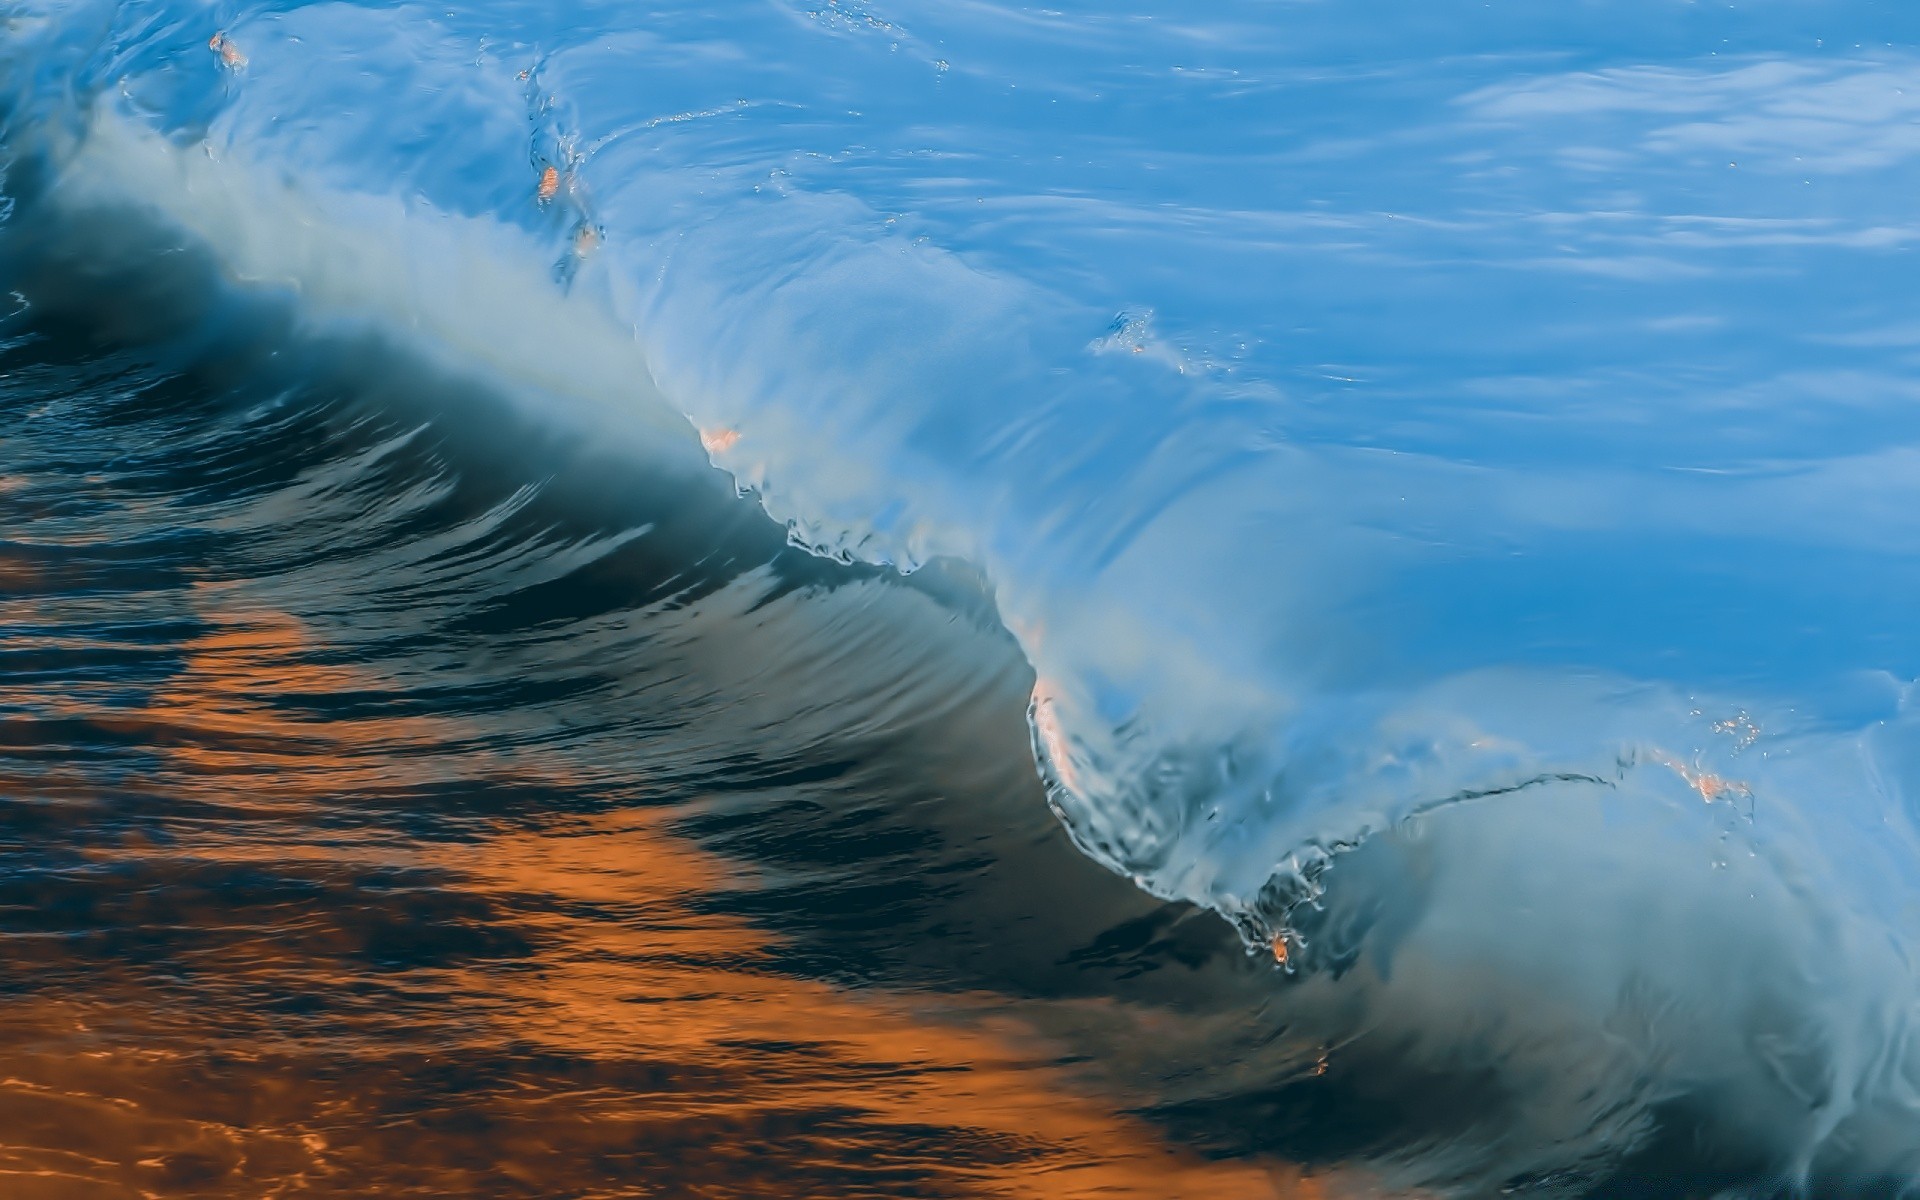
880	598
386	818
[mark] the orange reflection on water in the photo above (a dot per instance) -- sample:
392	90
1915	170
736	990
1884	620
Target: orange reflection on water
691	988
244	709
538	1008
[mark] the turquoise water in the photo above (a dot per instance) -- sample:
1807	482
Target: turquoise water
1450	469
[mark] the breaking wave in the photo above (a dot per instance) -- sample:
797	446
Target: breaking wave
1456	486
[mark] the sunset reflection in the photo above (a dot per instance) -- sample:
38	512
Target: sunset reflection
313	1005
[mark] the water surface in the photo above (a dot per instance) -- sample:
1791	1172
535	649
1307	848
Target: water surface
915	599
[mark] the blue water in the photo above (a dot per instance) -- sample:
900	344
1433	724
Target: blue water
1452	468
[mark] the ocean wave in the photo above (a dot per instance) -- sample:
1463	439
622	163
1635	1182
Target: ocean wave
1586	773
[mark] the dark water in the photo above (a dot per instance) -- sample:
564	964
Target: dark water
389	815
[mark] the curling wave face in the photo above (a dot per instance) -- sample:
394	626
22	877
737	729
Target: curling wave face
1452	472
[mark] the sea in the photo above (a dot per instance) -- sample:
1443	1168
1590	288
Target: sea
959	598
